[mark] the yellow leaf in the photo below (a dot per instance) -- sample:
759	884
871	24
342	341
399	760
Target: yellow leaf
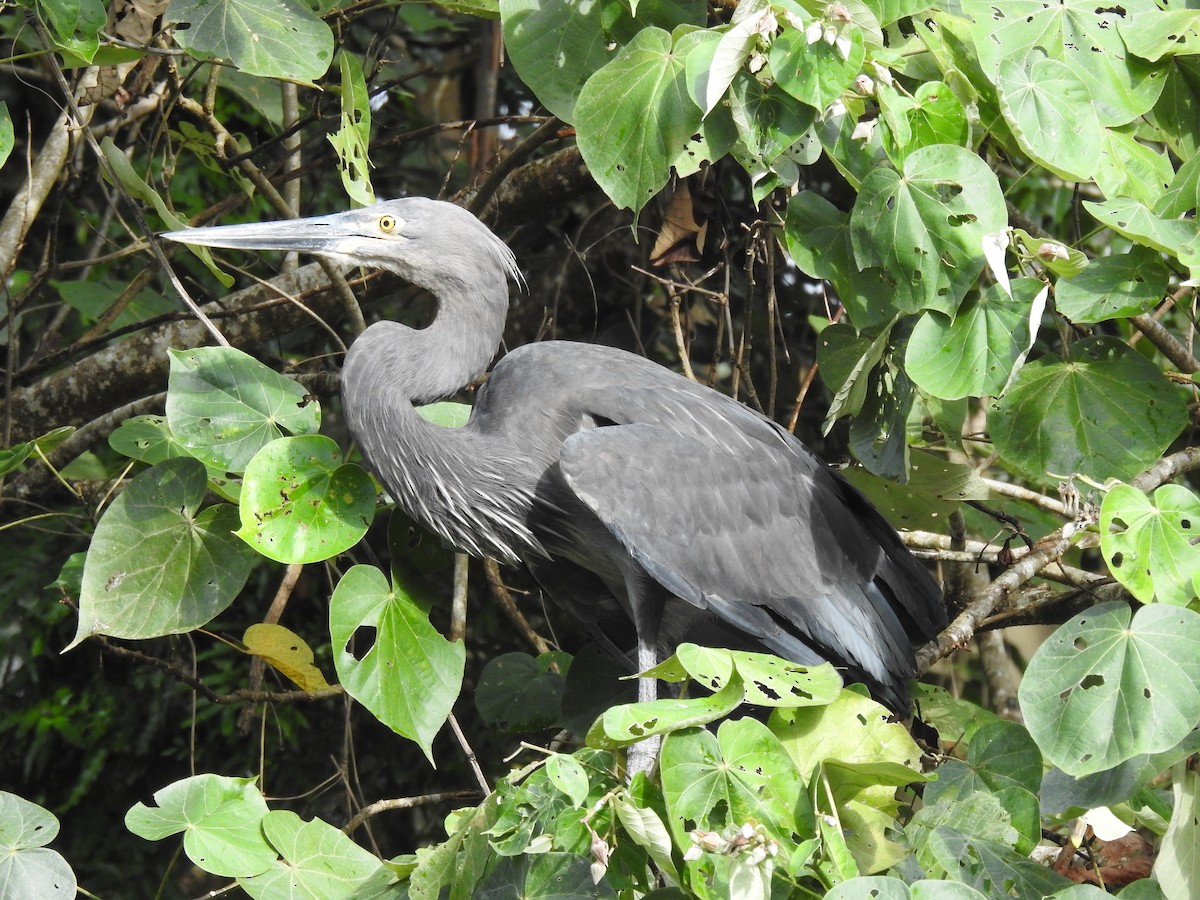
287	652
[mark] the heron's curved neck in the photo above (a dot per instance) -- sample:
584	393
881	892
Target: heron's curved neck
423	366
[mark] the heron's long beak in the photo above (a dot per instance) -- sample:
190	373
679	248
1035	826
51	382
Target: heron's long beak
317	234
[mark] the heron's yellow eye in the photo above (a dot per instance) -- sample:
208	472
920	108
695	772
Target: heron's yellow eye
387	224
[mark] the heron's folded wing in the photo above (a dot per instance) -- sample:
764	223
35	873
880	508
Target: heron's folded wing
759	535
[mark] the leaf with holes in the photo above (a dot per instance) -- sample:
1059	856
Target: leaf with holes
1049	108
1167	33
28	868
972	353
1077	33
225	406
221	820
1150	546
390	658
149	439
767	679
158	564
634	118
925	224
316	860
621	726
1134	220
1103	689
301	503
1061	414
818	239
1113	287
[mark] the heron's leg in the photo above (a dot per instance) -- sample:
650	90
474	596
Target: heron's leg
647	602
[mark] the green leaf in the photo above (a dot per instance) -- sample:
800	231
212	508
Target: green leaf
740	774
925	225
273	38
1060	415
766	679
566	774
557	46
149	439
352	140
934	115
7	137
769	126
646	829
634	118
27	867
816	74
1103	689
76	24
317	860
129	179
1128	168
1177	866
1135	221
157	564
399	667
1174	115
1150	546
13	456
818	239
1113	287
1050	110
516	693
225	406
973	353
620	726
542	876
1002	759
221	820
300	503
1074	32
1161	34
878	887
732	49
447	414
863	758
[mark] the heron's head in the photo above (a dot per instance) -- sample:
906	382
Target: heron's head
425	241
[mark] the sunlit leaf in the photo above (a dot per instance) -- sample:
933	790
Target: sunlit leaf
225	406
28	868
221	820
1103	689
1049	108
634	118
925	224
1150	545
390	658
300	503
1060	415
316	860
274	38
158	564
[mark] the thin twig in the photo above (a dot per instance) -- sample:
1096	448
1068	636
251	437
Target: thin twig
491	570
406	803
472	759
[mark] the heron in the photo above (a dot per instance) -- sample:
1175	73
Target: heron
631	493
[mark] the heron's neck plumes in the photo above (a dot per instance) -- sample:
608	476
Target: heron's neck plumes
455	482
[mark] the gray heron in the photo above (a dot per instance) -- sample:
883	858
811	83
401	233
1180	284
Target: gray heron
627	489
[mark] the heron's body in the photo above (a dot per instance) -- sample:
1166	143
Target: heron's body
626	488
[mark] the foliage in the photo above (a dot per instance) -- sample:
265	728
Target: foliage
988	212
